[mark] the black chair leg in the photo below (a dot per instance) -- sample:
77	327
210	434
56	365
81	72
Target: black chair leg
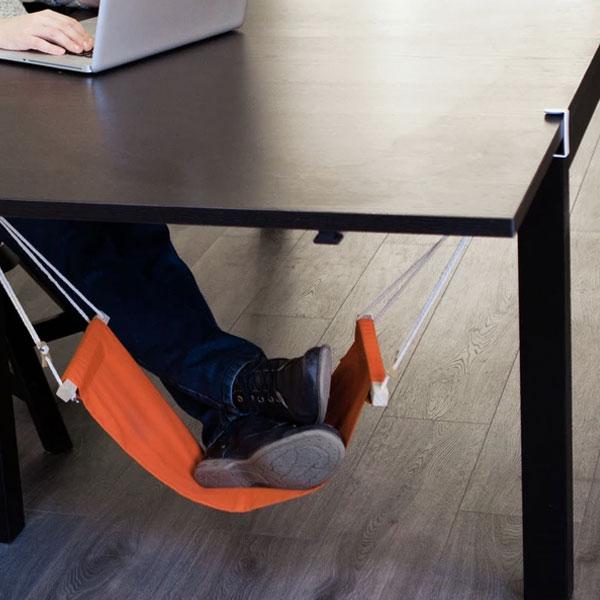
12	515
33	387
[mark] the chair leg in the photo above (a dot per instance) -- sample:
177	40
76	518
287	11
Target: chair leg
34	387
12	519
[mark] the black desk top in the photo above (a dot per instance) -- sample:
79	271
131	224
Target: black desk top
388	115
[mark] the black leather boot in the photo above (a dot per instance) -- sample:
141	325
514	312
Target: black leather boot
294	390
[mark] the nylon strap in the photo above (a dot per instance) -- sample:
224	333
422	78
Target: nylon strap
392	292
432	299
47	267
53	274
400	283
42	347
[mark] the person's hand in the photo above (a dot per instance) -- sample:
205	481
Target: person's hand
46	31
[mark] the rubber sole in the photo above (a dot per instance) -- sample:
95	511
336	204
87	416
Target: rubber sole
324	380
297	462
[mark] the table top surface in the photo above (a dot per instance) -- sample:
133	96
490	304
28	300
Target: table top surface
388	115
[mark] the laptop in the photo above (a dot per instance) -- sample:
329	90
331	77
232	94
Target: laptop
127	30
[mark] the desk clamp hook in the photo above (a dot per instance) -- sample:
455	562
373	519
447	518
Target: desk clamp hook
565	115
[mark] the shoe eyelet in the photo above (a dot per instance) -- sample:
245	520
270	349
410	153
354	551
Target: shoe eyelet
239	399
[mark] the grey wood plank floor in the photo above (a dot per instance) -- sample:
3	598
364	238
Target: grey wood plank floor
425	507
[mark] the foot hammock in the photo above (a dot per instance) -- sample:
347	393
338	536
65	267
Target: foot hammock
126	404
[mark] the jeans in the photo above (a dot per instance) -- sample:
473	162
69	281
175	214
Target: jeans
134	275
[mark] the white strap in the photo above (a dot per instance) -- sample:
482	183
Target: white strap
41	346
38	258
400	283
379	391
432	299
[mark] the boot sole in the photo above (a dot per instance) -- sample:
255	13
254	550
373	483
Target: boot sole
298	462
324	380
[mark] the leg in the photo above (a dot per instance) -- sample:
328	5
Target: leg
11	501
133	273
545	330
36	392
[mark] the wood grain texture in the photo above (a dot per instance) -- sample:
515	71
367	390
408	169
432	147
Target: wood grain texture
273	234
416	239
495	485
306	518
366	534
384	541
482	560
280	336
313	280
466	354
584	159
391	260
586	213
32	559
389	525
587	550
79	482
130	555
405	119
193	241
234	269
586	348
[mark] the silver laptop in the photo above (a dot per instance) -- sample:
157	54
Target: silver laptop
126	30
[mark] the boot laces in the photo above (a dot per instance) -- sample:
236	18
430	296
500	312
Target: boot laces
260	385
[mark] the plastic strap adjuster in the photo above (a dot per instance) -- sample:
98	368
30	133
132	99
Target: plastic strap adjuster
44	351
380	393
67	391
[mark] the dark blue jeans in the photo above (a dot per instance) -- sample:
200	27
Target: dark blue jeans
134	275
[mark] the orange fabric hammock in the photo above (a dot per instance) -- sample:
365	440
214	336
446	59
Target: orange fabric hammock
125	403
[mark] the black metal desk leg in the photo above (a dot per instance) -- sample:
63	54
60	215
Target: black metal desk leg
12	518
545	329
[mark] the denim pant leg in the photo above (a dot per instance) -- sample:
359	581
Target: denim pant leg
133	274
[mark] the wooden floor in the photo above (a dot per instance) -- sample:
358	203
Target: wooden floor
427	504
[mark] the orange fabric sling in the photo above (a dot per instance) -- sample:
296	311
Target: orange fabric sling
123	400
126	404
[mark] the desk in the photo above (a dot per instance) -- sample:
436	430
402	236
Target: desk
391	116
